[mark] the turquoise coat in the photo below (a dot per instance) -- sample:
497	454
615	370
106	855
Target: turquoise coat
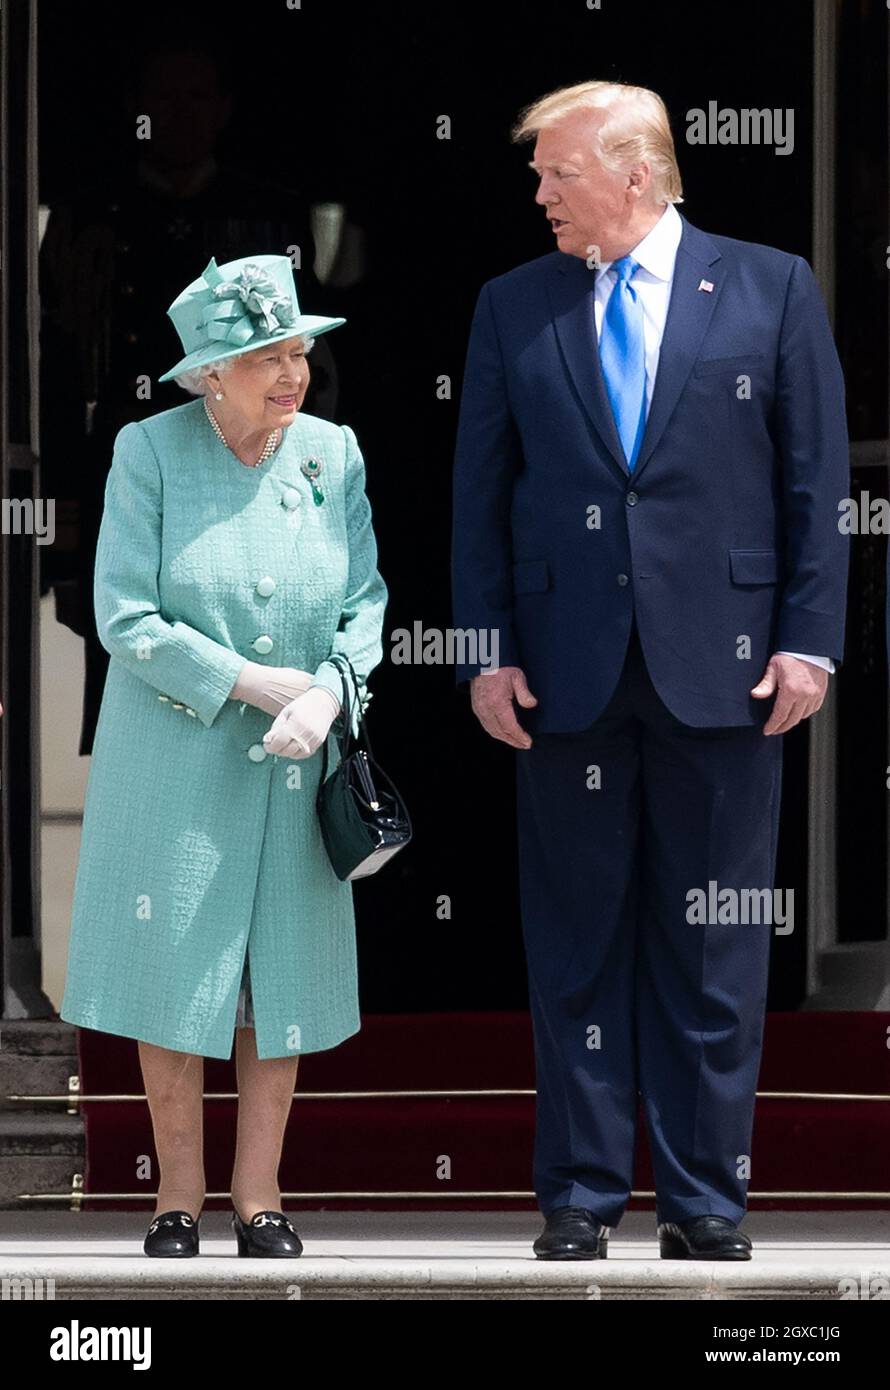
198	846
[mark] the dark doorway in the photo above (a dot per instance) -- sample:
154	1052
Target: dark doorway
345	106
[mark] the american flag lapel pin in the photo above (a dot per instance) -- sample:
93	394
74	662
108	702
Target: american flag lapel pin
706	285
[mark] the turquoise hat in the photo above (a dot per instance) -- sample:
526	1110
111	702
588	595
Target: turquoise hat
239	306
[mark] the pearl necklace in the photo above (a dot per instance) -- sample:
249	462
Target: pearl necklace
269	447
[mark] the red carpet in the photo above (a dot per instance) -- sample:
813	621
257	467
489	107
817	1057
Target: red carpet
403	1144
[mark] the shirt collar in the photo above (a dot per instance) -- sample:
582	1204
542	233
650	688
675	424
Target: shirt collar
657	251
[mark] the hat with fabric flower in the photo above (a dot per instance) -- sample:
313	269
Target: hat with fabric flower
239	306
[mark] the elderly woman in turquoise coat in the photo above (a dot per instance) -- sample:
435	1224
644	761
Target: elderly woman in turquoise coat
235	560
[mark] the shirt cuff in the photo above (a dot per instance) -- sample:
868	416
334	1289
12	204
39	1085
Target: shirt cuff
825	662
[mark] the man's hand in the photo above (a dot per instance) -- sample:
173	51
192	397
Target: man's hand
801	687
492	695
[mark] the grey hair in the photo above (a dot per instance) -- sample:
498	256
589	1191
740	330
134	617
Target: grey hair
195	380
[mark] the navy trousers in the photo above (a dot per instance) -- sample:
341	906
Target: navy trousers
628	998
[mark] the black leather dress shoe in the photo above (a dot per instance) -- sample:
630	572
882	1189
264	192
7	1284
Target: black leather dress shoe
572	1233
703	1238
268	1234
172	1235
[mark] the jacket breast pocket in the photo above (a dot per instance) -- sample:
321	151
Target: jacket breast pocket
747	361
754	566
531	576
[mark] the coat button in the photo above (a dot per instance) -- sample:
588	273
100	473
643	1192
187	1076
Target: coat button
290	497
263	645
177	704
163	697
265	586
632	499
256	752
622	579
192	712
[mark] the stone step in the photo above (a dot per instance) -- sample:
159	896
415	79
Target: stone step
33	1036
37	1132
37	1057
35	1173
41	1148
446	1255
33	1074
857	974
137	1279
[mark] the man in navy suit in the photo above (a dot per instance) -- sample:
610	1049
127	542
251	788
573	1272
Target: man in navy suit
651	451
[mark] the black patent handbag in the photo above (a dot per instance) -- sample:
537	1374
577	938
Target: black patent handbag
364	820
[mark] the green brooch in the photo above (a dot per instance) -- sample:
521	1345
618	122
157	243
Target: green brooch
311	468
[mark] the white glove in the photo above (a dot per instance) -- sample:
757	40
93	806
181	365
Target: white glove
269	688
304	724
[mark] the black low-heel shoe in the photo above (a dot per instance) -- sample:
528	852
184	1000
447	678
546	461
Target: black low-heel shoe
172	1235
703	1238
268	1234
572	1233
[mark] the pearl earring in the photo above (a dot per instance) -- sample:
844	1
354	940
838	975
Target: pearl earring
219	395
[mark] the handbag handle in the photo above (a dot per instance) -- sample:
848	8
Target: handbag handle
361	738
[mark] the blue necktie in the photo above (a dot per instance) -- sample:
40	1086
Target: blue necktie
622	359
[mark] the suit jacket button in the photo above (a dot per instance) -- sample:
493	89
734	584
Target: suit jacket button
263	645
265	586
622	579
632	499
290	497
256	752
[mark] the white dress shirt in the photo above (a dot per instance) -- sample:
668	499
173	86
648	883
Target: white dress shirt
653	281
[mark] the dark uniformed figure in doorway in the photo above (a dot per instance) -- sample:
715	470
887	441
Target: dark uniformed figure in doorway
108	258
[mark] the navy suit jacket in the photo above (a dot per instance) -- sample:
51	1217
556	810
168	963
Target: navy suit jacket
724	540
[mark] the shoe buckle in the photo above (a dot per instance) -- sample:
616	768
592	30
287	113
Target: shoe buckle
184	1220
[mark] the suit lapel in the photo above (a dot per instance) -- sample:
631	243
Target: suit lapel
689	313
571	299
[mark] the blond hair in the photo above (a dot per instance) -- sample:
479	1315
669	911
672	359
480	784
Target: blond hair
636	127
